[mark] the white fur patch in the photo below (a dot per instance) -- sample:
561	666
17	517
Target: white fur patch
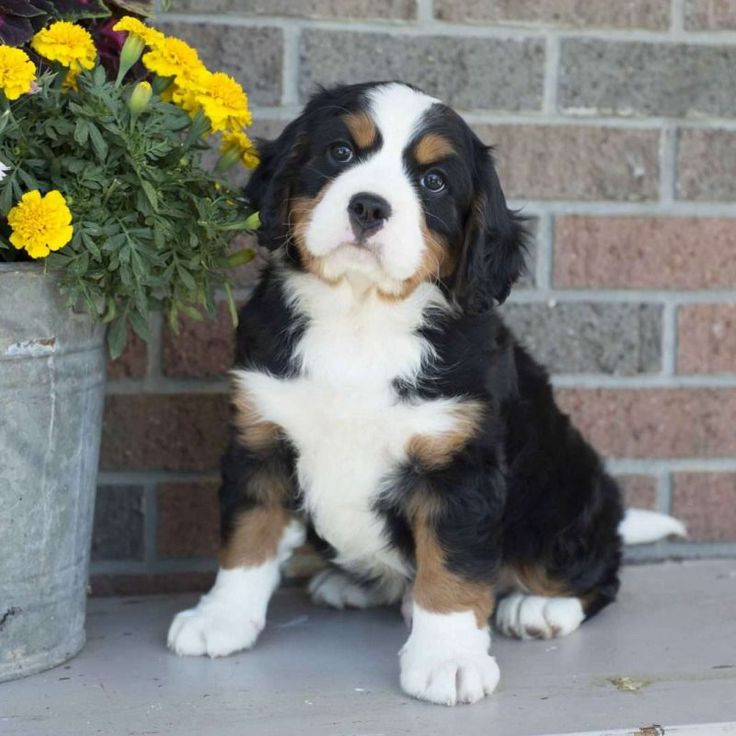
336	589
640	526
446	660
538	617
232	615
343	415
395	252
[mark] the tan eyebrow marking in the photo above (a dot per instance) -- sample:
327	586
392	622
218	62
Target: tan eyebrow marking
432	147
362	127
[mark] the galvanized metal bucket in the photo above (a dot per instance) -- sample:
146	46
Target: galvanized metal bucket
52	385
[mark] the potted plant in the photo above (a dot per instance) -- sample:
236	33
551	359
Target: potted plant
106	213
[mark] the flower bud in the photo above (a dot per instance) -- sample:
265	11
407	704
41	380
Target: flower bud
140	97
129	55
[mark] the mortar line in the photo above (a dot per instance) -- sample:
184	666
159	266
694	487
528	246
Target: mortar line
618	296
399	27
538	117
425	12
677	17
150	520
664	492
551	73
545	252
155	346
669	340
641	382
655	466
667	163
290	68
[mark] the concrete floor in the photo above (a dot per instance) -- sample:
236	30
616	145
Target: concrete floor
664	654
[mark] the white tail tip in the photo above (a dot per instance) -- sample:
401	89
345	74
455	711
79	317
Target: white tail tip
642	527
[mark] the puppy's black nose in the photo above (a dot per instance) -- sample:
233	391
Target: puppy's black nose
367	213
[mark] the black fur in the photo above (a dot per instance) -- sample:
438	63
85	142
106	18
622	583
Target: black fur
527	489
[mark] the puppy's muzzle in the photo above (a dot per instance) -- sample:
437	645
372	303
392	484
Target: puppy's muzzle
367	213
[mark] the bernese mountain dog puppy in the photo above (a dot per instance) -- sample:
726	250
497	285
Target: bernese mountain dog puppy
382	410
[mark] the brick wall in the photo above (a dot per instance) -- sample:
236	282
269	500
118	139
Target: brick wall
615	128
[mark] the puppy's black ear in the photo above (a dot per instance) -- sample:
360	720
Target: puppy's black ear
494	251
269	187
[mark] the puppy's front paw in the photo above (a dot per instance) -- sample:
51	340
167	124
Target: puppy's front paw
538	617
465	678
446	660
207	630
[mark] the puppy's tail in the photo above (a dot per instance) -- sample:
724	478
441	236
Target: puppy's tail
642	527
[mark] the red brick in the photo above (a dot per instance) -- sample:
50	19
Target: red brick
132	363
188	520
639	491
202	349
710	15
164	431
650	14
645	252
661	423
706	502
571	162
706	162
706	338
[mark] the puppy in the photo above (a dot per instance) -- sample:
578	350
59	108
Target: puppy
381	408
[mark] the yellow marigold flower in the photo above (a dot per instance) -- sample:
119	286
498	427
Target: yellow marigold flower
173	57
224	102
17	72
187	87
237	141
69	44
149	36
40	224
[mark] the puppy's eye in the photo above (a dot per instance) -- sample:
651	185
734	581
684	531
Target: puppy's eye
434	181
341	153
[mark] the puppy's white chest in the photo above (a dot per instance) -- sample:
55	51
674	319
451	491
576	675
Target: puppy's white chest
346	422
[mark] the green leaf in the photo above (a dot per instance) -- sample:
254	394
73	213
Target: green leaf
98	142
81	131
140	325
150	193
117	336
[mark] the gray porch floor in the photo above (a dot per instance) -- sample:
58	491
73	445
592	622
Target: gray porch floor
664	654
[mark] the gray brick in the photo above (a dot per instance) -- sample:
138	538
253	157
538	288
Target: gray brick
707	15
706	165
651	14
619	339
570	162
118	525
469	73
342	9
647	79
254	56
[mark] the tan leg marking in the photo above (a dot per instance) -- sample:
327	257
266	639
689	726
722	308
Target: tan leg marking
436	588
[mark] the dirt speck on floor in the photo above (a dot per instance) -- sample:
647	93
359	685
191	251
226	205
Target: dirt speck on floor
630	685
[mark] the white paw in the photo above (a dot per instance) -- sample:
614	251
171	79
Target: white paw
538	617
464	678
334	588
446	660
207	630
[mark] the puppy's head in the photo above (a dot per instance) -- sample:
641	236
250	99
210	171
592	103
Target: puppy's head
382	183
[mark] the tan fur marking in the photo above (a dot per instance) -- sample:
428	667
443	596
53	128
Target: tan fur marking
436	451
437	589
255	538
533	578
362	128
300	214
431	148
255	433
